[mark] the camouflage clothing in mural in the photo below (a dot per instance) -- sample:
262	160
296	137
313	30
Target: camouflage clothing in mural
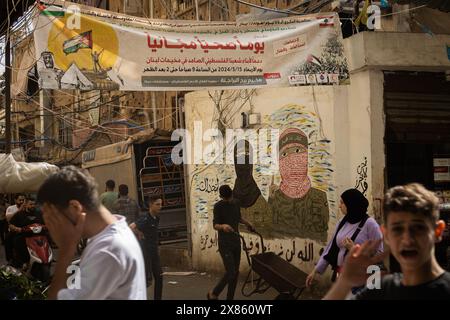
260	215
298	209
254	207
305	218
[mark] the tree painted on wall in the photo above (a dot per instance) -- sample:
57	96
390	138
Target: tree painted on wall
331	60
228	104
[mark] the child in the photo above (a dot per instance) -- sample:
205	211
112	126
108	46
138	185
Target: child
411	229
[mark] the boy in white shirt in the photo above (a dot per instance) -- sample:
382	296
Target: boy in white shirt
112	265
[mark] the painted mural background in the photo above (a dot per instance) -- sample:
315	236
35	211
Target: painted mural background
301	237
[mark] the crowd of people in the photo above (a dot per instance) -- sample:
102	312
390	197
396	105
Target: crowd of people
122	252
121	259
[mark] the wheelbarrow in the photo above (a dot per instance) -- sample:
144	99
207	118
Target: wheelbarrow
270	270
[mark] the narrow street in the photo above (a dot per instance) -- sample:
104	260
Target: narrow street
307	141
193	285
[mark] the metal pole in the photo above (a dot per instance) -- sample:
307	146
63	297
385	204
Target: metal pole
151	9
152	93
196	10
8	94
186	183
209	10
153	99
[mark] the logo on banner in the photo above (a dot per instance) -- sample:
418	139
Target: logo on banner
296	79
327	21
275	75
322	78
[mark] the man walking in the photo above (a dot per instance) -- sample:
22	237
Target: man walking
146	228
108	197
227	216
126	206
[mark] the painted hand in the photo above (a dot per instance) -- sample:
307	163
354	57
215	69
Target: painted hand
354	272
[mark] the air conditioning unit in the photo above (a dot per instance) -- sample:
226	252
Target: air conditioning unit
254	118
250	119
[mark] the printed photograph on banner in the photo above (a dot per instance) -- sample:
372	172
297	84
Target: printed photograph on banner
333	78
311	79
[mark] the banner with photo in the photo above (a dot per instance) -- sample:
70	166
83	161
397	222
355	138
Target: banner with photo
107	52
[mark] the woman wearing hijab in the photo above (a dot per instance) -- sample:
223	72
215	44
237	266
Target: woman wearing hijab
355	228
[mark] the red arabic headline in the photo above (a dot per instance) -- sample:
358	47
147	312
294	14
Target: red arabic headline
162	42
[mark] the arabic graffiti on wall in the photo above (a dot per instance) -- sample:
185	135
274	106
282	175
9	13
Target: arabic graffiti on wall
209	185
361	180
294	251
207	242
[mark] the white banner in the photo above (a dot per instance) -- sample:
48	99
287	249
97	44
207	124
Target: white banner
99	52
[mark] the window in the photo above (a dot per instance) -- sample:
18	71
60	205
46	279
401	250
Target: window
65	132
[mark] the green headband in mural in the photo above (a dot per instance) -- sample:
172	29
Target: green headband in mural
293	136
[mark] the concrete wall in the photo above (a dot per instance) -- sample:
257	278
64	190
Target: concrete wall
366	134
369	54
352	119
397	51
341	141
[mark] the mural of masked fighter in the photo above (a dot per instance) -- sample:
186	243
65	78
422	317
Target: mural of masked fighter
254	207
299	210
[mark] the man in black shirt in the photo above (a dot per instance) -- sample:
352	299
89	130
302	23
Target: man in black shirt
411	230
28	215
146	228
227	216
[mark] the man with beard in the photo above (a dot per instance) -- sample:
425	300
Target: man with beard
254	207
298	209
19	200
29	214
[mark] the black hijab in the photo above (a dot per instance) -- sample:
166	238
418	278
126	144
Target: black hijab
245	188
357	206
